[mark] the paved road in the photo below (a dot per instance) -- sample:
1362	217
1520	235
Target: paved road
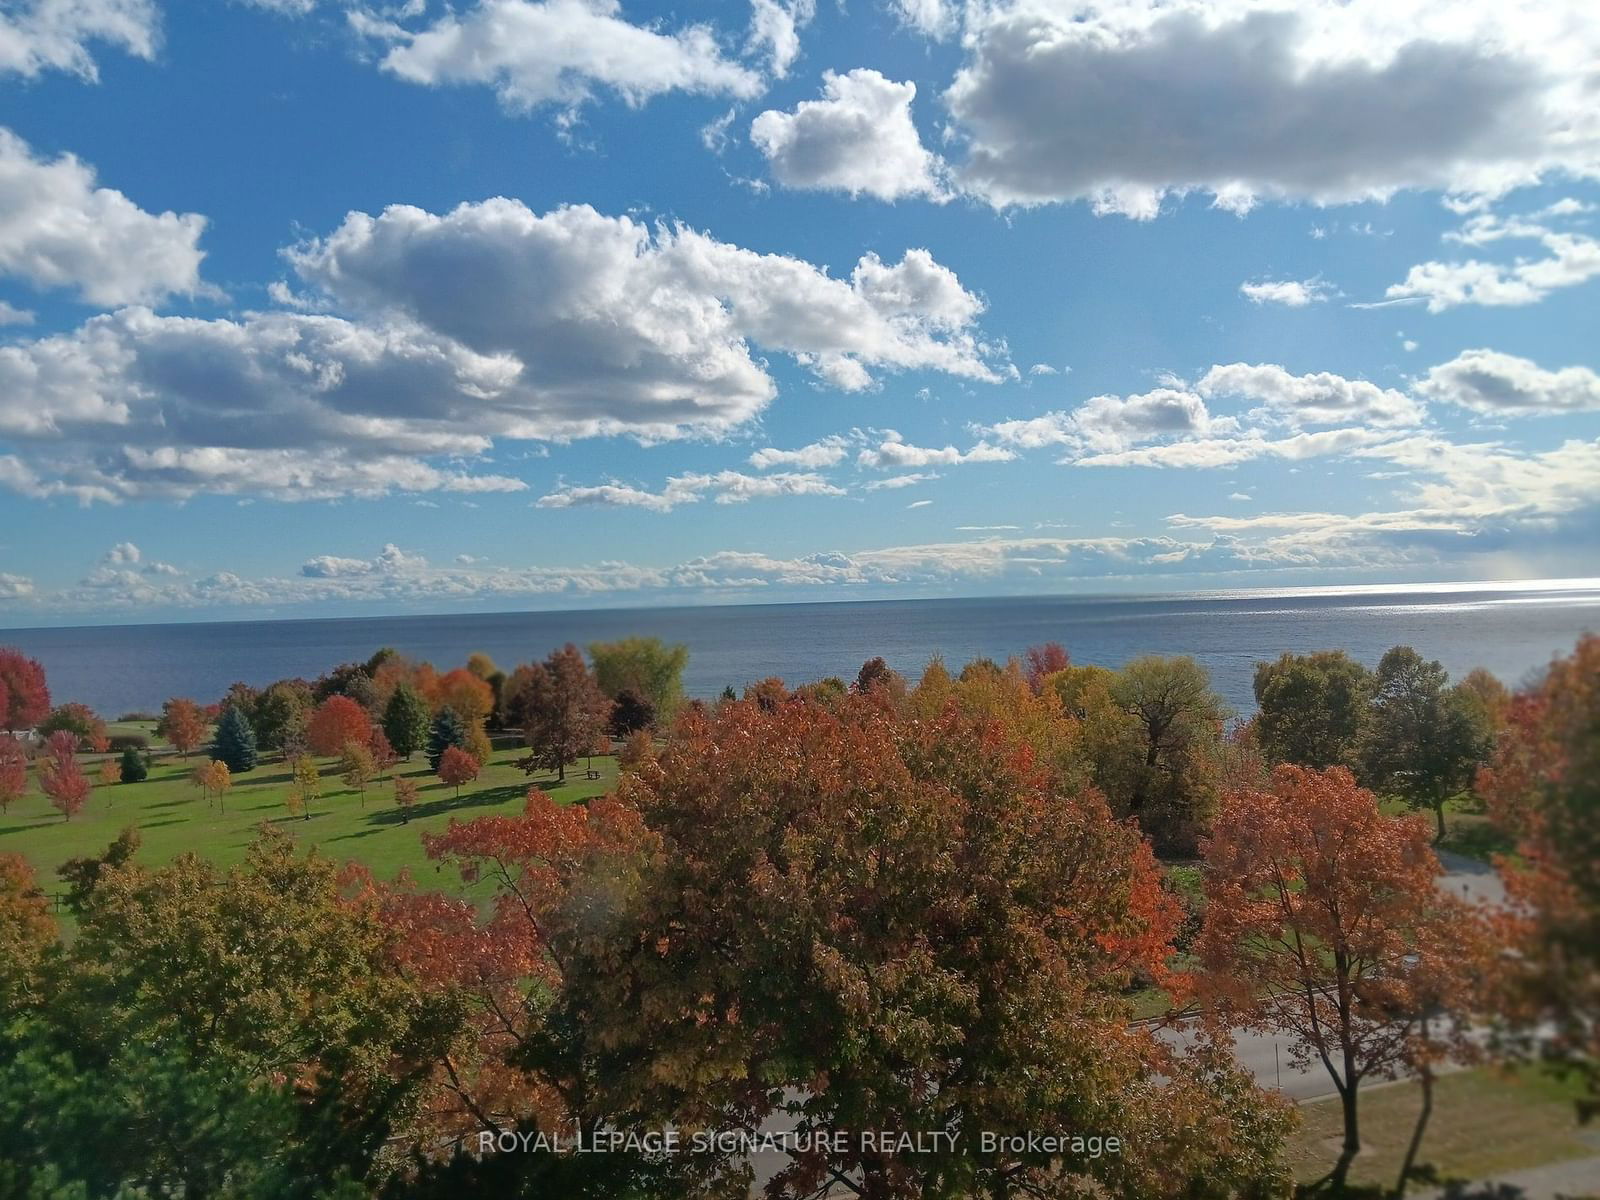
1471	879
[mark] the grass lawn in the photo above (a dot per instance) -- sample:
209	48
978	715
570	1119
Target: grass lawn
1485	1122
173	817
1467	828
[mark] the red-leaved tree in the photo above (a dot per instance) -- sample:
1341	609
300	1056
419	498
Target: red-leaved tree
1544	788
60	777
24	695
13	771
458	767
338	721
1043	661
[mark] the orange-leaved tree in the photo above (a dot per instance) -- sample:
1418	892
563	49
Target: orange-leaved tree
183	724
863	920
1324	921
26	931
1544	787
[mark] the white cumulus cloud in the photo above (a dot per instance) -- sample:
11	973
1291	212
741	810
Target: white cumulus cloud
1496	384
858	138
442	336
59	230
538	52
56	35
1122	102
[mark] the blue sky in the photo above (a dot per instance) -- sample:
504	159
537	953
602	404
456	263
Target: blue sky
312	307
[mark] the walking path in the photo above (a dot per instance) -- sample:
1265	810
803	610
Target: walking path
1570	1180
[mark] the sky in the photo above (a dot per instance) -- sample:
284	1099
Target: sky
317	308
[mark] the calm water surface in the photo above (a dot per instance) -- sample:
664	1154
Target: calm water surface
124	667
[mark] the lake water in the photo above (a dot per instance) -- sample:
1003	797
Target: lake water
1511	631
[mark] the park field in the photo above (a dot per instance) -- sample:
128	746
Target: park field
173	817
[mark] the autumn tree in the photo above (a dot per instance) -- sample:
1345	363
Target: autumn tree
405	797
513	712
446	731
1041	662
1422	742
1324	921
770	694
647	665
478	745
133	767
337	721
457	767
630	712
13	771
830	689
566	710
77	719
867	922
405	720
1312	708
1487	700
1543	787
218	779
305	787
182	724
383	756
27	931
876	675
483	666
110	772
24	695
357	769
60	776
468	695
638	749
235	742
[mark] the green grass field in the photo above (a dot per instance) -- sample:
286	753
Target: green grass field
173	817
1485	1122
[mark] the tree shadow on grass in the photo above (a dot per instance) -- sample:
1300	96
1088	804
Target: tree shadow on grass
159	824
266	780
487	798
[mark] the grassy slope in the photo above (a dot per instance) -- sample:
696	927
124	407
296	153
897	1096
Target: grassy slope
1485	1122
173	817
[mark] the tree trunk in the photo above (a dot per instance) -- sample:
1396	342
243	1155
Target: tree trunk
1416	1134
1352	1139
1438	820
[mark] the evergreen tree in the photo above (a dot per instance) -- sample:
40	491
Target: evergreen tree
236	741
134	769
448	730
405	720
